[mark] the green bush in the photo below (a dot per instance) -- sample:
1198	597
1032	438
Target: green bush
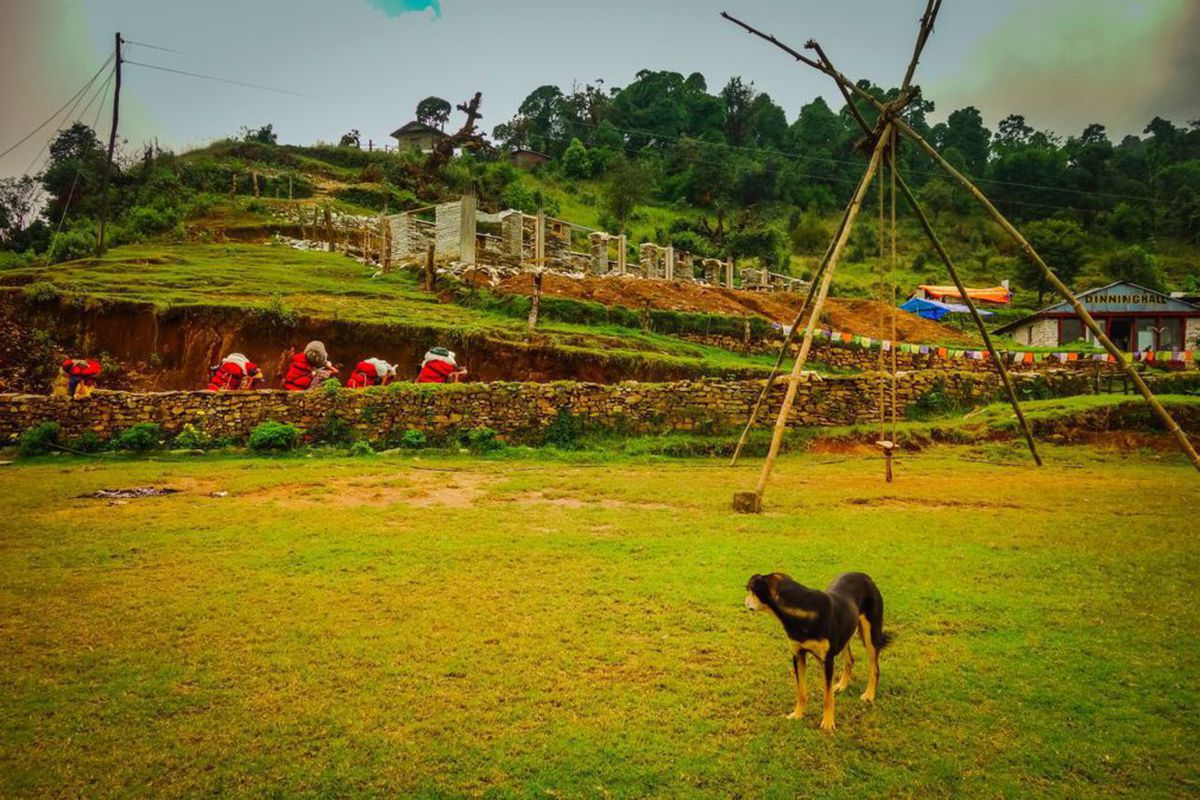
139	439
362	448
71	244
86	442
564	431
42	292
484	440
192	438
414	440
40	439
273	437
332	429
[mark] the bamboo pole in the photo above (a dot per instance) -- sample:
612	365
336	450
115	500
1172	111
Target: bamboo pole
1060	287
751	502
1005	378
787	342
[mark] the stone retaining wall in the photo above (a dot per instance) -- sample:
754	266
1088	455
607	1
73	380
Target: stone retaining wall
519	411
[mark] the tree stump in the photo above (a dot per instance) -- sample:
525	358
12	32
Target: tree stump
747	503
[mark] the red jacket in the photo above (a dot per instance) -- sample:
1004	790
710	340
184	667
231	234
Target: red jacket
88	371
436	371
299	374
364	374
231	376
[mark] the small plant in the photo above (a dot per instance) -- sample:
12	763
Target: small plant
139	438
86	442
332	430
332	387
414	439
362	448
42	293
563	431
40	439
484	440
273	437
192	438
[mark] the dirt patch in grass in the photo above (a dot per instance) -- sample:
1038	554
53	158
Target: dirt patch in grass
540	498
931	503
420	489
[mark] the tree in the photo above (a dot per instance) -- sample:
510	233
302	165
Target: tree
965	132
576	162
17	196
1060	243
1134	264
351	139
73	173
434	111
626	187
264	135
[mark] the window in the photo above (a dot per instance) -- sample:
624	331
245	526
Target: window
1145	333
1070	330
1170	333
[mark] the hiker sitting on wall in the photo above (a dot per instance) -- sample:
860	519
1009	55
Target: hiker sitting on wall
233	373
371	372
309	369
439	366
81	376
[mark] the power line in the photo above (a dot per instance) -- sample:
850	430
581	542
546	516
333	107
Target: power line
79	170
223	80
70	113
155	47
73	99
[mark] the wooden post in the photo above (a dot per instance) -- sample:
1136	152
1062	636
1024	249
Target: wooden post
669	258
289	188
254	181
430	270
539	240
1060	287
621	255
467	230
535	299
751	502
112	144
729	273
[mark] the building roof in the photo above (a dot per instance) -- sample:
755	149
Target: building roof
996	294
1104	296
416	127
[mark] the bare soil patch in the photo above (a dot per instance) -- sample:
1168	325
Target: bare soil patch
420	489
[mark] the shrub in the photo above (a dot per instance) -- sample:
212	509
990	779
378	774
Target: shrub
414	439
42	292
86	442
273	437
72	244
332	387
362	448
192	438
563	431
140	438
484	440
40	439
333	429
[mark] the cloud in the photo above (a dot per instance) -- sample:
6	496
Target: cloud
394	8
1066	64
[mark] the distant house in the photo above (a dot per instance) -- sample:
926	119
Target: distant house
527	159
418	136
1132	316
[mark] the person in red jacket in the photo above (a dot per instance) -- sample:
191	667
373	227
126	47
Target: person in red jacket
370	372
440	366
309	369
233	373
81	376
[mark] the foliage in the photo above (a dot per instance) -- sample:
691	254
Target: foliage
414	439
575	161
273	437
139	438
434	111
1060	243
40	439
1134	264
191	438
41	292
86	442
564	431
332	429
264	135
361	448
484	440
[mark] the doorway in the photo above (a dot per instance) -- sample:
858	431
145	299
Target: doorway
1120	331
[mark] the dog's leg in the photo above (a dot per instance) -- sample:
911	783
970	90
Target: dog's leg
827	723
847	668
799	667
864	631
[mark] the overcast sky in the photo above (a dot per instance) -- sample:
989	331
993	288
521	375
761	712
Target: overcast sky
366	63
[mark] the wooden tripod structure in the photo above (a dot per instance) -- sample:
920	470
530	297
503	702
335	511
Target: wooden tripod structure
882	137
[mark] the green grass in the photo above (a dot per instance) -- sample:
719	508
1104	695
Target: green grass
332	286
452	626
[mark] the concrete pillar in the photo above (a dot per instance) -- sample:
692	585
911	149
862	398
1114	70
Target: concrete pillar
729	273
512	232
467	235
670	263
621	254
539	242
598	245
448	232
647	259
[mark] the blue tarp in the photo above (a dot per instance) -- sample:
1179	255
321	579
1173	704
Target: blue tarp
932	309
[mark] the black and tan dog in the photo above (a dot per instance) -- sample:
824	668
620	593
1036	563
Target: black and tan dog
822	623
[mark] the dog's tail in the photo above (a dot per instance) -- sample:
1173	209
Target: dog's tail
885	639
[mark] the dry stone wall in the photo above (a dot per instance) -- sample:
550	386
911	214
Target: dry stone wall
519	411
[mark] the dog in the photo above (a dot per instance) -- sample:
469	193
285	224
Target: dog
822	624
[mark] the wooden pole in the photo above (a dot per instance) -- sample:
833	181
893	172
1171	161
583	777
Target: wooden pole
1060	287
112	146
787	341
535	299
751	502
1005	378
430	270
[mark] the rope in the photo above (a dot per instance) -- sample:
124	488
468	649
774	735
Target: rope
892	276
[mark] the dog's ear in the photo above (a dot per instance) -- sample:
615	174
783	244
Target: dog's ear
759	586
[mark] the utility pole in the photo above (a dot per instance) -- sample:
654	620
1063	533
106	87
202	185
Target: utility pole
112	145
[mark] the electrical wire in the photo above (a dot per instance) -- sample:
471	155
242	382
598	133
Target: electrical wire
74	99
79	170
221	80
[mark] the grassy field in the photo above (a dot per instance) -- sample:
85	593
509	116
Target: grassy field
574	628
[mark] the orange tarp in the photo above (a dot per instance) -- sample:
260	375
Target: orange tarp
997	294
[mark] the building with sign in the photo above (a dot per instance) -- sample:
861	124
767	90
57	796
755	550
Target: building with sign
1133	317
